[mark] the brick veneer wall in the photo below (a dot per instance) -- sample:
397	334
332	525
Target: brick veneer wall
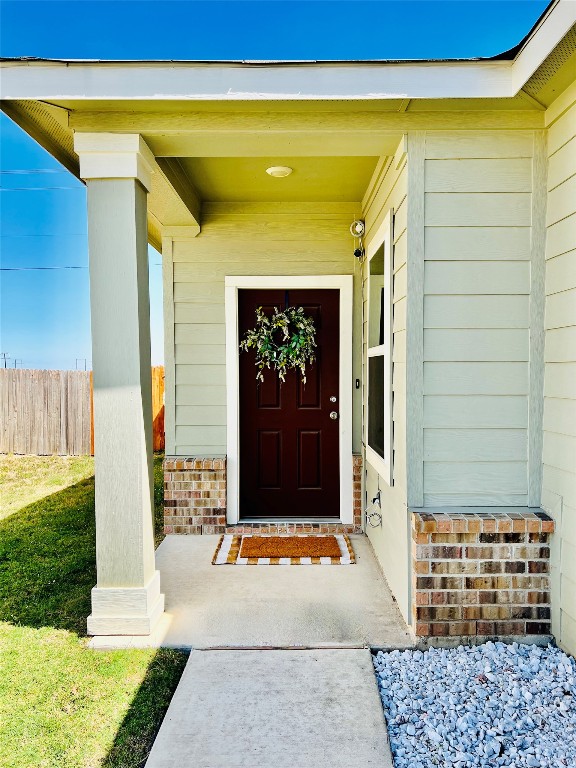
482	574
357	491
195	501
194	495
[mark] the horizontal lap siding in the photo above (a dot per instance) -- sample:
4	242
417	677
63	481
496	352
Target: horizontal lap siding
239	239
390	541
477	317
559	449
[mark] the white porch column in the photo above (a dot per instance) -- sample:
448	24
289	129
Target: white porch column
126	599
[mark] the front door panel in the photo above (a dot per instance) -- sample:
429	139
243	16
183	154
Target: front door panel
289	444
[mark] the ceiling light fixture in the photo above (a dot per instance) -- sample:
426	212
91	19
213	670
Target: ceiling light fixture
279	171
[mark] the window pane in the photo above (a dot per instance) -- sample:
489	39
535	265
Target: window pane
376	319
376	404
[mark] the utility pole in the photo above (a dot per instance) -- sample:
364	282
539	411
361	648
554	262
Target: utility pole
16	361
5	356
81	359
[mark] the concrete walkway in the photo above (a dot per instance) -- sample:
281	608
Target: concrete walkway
231	606
280	673
287	709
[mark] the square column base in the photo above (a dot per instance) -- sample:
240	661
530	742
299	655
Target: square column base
126	610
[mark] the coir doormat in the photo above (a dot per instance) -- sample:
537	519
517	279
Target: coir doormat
328	549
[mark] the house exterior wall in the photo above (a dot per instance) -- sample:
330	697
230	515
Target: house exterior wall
241	239
468	435
391	540
477	317
559	450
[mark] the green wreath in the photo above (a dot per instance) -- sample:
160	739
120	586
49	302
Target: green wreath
283	341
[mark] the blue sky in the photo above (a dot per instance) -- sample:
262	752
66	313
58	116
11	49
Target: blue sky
44	313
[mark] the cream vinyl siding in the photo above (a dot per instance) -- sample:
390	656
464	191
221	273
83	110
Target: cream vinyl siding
390	541
559	450
242	239
477	283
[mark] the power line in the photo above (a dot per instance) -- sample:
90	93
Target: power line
36	189
29	171
31	269
66	234
28	269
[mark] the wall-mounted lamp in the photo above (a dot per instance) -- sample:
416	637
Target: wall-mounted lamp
357	230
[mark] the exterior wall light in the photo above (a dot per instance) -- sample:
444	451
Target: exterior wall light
357	230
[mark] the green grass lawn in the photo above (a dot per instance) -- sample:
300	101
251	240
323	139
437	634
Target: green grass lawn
61	704
24	479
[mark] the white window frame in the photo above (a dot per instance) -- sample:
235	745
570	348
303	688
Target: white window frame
382	237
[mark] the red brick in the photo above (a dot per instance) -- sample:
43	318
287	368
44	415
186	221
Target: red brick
422	598
445	525
464	628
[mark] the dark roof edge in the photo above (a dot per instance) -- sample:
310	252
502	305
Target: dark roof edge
239	62
511	54
508	55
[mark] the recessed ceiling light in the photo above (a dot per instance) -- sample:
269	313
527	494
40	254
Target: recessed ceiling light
279	171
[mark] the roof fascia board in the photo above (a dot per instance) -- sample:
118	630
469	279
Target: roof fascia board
157	82
542	42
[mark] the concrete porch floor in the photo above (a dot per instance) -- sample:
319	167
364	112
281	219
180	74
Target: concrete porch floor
229	606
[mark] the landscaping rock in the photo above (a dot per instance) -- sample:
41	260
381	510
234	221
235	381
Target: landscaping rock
488	705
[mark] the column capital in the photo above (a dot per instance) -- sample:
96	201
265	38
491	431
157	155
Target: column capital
114	156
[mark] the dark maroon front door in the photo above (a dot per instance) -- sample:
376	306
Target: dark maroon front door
289	443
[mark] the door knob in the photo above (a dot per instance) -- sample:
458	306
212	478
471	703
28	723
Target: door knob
333	415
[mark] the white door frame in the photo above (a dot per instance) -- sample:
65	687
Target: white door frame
343	283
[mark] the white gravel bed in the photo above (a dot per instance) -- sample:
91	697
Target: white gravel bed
489	705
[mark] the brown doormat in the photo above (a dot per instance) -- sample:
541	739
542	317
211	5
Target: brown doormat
289	546
284	550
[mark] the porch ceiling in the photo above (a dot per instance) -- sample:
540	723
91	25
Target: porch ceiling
314	179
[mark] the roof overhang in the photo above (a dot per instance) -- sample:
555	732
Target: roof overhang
280	81
308	110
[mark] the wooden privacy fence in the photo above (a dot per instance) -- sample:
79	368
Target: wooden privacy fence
50	412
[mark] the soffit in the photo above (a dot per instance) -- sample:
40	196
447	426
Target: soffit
314	179
556	73
305	106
